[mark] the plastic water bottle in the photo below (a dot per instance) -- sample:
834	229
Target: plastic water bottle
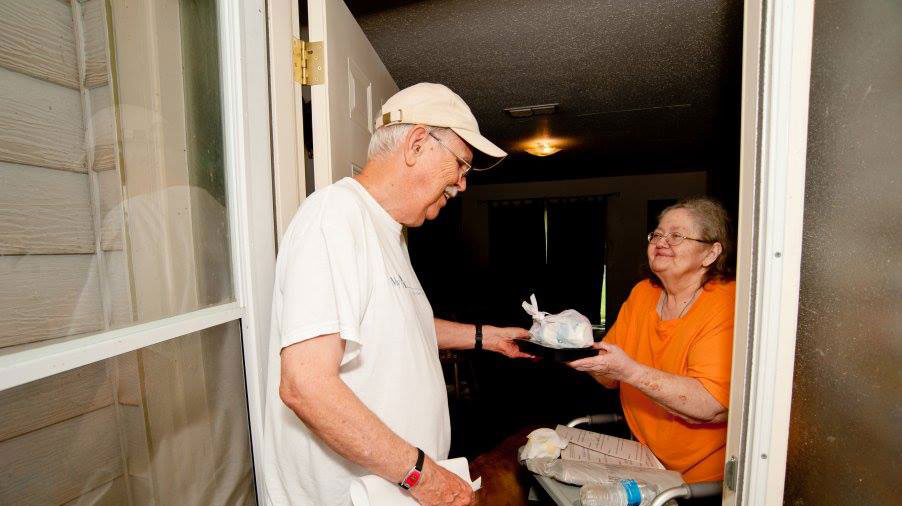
618	493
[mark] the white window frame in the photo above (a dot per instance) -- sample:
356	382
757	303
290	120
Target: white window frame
776	78
248	162
245	80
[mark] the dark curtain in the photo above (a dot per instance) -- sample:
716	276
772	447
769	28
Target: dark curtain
516	259
514	393
503	396
564	269
440	259
575	268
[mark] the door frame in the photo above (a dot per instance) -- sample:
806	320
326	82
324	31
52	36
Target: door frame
776	63
288	159
248	155
777	38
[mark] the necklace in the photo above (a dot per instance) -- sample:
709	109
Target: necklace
685	304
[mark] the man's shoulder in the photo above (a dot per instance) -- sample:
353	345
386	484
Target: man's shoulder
335	198
330	210
336	205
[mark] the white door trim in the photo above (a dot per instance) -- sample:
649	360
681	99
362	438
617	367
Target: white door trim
776	81
288	159
246	106
320	116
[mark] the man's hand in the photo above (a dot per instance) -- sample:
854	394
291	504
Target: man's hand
502	340
440	487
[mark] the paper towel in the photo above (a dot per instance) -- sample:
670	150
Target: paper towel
542	443
371	490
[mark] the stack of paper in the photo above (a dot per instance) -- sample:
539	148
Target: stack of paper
587	446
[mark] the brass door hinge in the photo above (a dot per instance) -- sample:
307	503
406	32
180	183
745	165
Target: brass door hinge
309	67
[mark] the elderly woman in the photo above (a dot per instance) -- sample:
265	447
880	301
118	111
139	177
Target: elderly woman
669	351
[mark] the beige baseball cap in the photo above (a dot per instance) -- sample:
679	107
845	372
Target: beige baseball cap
435	105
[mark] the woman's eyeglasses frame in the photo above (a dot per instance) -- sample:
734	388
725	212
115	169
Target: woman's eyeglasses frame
673	238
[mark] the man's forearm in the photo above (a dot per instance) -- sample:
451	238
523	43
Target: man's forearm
681	395
462	336
331	410
455	336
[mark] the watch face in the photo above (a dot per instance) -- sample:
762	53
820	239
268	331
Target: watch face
412	478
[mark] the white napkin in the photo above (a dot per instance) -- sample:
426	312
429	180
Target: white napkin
543	443
371	490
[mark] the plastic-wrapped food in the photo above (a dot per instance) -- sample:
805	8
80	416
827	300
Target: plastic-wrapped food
583	473
567	329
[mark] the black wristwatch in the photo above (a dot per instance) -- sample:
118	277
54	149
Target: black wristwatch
414	475
478	345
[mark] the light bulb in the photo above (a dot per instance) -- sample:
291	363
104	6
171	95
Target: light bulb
542	147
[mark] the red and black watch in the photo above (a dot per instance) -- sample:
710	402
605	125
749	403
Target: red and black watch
414	475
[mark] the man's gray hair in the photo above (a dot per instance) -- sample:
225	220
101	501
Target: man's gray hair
386	138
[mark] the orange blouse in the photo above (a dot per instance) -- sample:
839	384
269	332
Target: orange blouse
698	345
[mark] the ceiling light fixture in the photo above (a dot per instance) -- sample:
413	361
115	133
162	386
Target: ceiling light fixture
542	147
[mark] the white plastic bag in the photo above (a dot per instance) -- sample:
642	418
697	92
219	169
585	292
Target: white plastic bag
583	473
567	329
542	443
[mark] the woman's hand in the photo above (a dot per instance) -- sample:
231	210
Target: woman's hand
611	362
502	340
680	395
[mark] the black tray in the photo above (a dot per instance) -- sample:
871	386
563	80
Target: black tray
556	354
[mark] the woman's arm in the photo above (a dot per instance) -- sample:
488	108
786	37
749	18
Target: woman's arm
681	395
605	380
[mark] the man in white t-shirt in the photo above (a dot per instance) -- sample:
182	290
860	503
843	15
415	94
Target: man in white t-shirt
356	386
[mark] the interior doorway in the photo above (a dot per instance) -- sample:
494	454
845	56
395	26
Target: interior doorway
773	44
646	106
764	187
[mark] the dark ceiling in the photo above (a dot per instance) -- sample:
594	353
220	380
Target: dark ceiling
644	86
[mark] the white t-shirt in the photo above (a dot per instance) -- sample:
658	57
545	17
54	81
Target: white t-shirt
343	267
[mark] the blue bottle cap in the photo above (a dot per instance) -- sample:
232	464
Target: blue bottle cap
633	494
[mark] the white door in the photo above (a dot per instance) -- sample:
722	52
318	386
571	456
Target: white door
345	107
